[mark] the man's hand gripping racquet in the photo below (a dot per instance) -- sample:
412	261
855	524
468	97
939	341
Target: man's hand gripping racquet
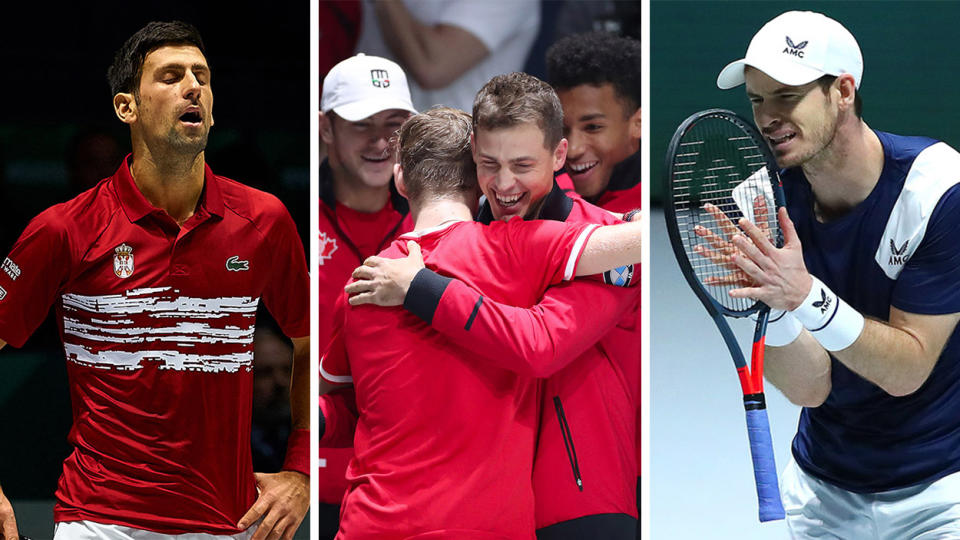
718	170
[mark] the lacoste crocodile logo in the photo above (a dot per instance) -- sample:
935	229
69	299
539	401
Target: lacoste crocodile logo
234	264
824	302
795	49
897	255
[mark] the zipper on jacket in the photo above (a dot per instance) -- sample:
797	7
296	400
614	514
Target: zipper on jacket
568	441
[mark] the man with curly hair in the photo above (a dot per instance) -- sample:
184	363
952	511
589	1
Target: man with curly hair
597	78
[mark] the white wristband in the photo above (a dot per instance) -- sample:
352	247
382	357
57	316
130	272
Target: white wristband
782	328
830	320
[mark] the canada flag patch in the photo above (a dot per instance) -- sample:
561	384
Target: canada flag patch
328	246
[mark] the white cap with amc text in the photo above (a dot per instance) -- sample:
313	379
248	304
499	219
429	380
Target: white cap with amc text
796	48
361	86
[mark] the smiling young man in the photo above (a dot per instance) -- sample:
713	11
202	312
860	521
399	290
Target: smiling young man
597	78
866	289
155	275
365	101
581	337
421	471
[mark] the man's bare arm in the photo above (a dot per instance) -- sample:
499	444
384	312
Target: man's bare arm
435	55
611	246
801	370
8	523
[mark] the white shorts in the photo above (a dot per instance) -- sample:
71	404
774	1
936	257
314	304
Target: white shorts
818	509
90	530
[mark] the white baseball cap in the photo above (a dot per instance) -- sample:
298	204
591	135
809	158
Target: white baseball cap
361	86
796	48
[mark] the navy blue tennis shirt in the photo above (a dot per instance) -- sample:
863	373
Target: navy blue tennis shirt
899	247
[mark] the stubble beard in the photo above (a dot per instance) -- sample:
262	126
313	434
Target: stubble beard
822	138
184	144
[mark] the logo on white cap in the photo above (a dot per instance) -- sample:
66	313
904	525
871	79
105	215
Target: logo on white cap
380	78
827	48
362	86
796	50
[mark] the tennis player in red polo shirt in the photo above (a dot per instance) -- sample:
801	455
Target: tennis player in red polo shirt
155	275
444	450
583	337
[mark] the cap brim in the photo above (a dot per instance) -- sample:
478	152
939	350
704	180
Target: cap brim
359	110
731	76
778	69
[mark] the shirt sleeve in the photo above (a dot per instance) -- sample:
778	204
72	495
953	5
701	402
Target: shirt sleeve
334	363
287	293
536	341
930	280
339	410
554	247
492	22
32	276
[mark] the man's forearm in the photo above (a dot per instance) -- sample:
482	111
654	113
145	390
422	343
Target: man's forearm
897	359
801	370
434	55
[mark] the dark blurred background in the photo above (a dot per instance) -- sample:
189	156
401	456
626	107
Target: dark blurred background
59	136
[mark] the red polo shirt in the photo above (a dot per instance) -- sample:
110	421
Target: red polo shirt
157	323
445	446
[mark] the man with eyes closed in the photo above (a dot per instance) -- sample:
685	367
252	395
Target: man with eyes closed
156	274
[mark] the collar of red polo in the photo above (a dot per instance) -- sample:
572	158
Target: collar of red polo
136	206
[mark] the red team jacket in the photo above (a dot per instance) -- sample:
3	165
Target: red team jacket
157	323
347	237
591	363
443	442
592	396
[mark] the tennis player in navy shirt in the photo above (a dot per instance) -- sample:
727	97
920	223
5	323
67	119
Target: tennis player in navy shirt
865	293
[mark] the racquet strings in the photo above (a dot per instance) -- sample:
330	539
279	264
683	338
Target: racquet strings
718	163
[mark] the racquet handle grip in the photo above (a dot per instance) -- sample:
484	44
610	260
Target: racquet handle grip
764	466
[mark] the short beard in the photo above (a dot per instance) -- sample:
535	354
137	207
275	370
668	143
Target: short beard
187	145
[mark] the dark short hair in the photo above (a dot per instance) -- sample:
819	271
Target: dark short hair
433	148
518	98
827	80
597	58
124	74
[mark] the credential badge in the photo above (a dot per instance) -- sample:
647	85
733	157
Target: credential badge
123	261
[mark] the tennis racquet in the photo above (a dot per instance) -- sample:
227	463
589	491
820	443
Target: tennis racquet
719	169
